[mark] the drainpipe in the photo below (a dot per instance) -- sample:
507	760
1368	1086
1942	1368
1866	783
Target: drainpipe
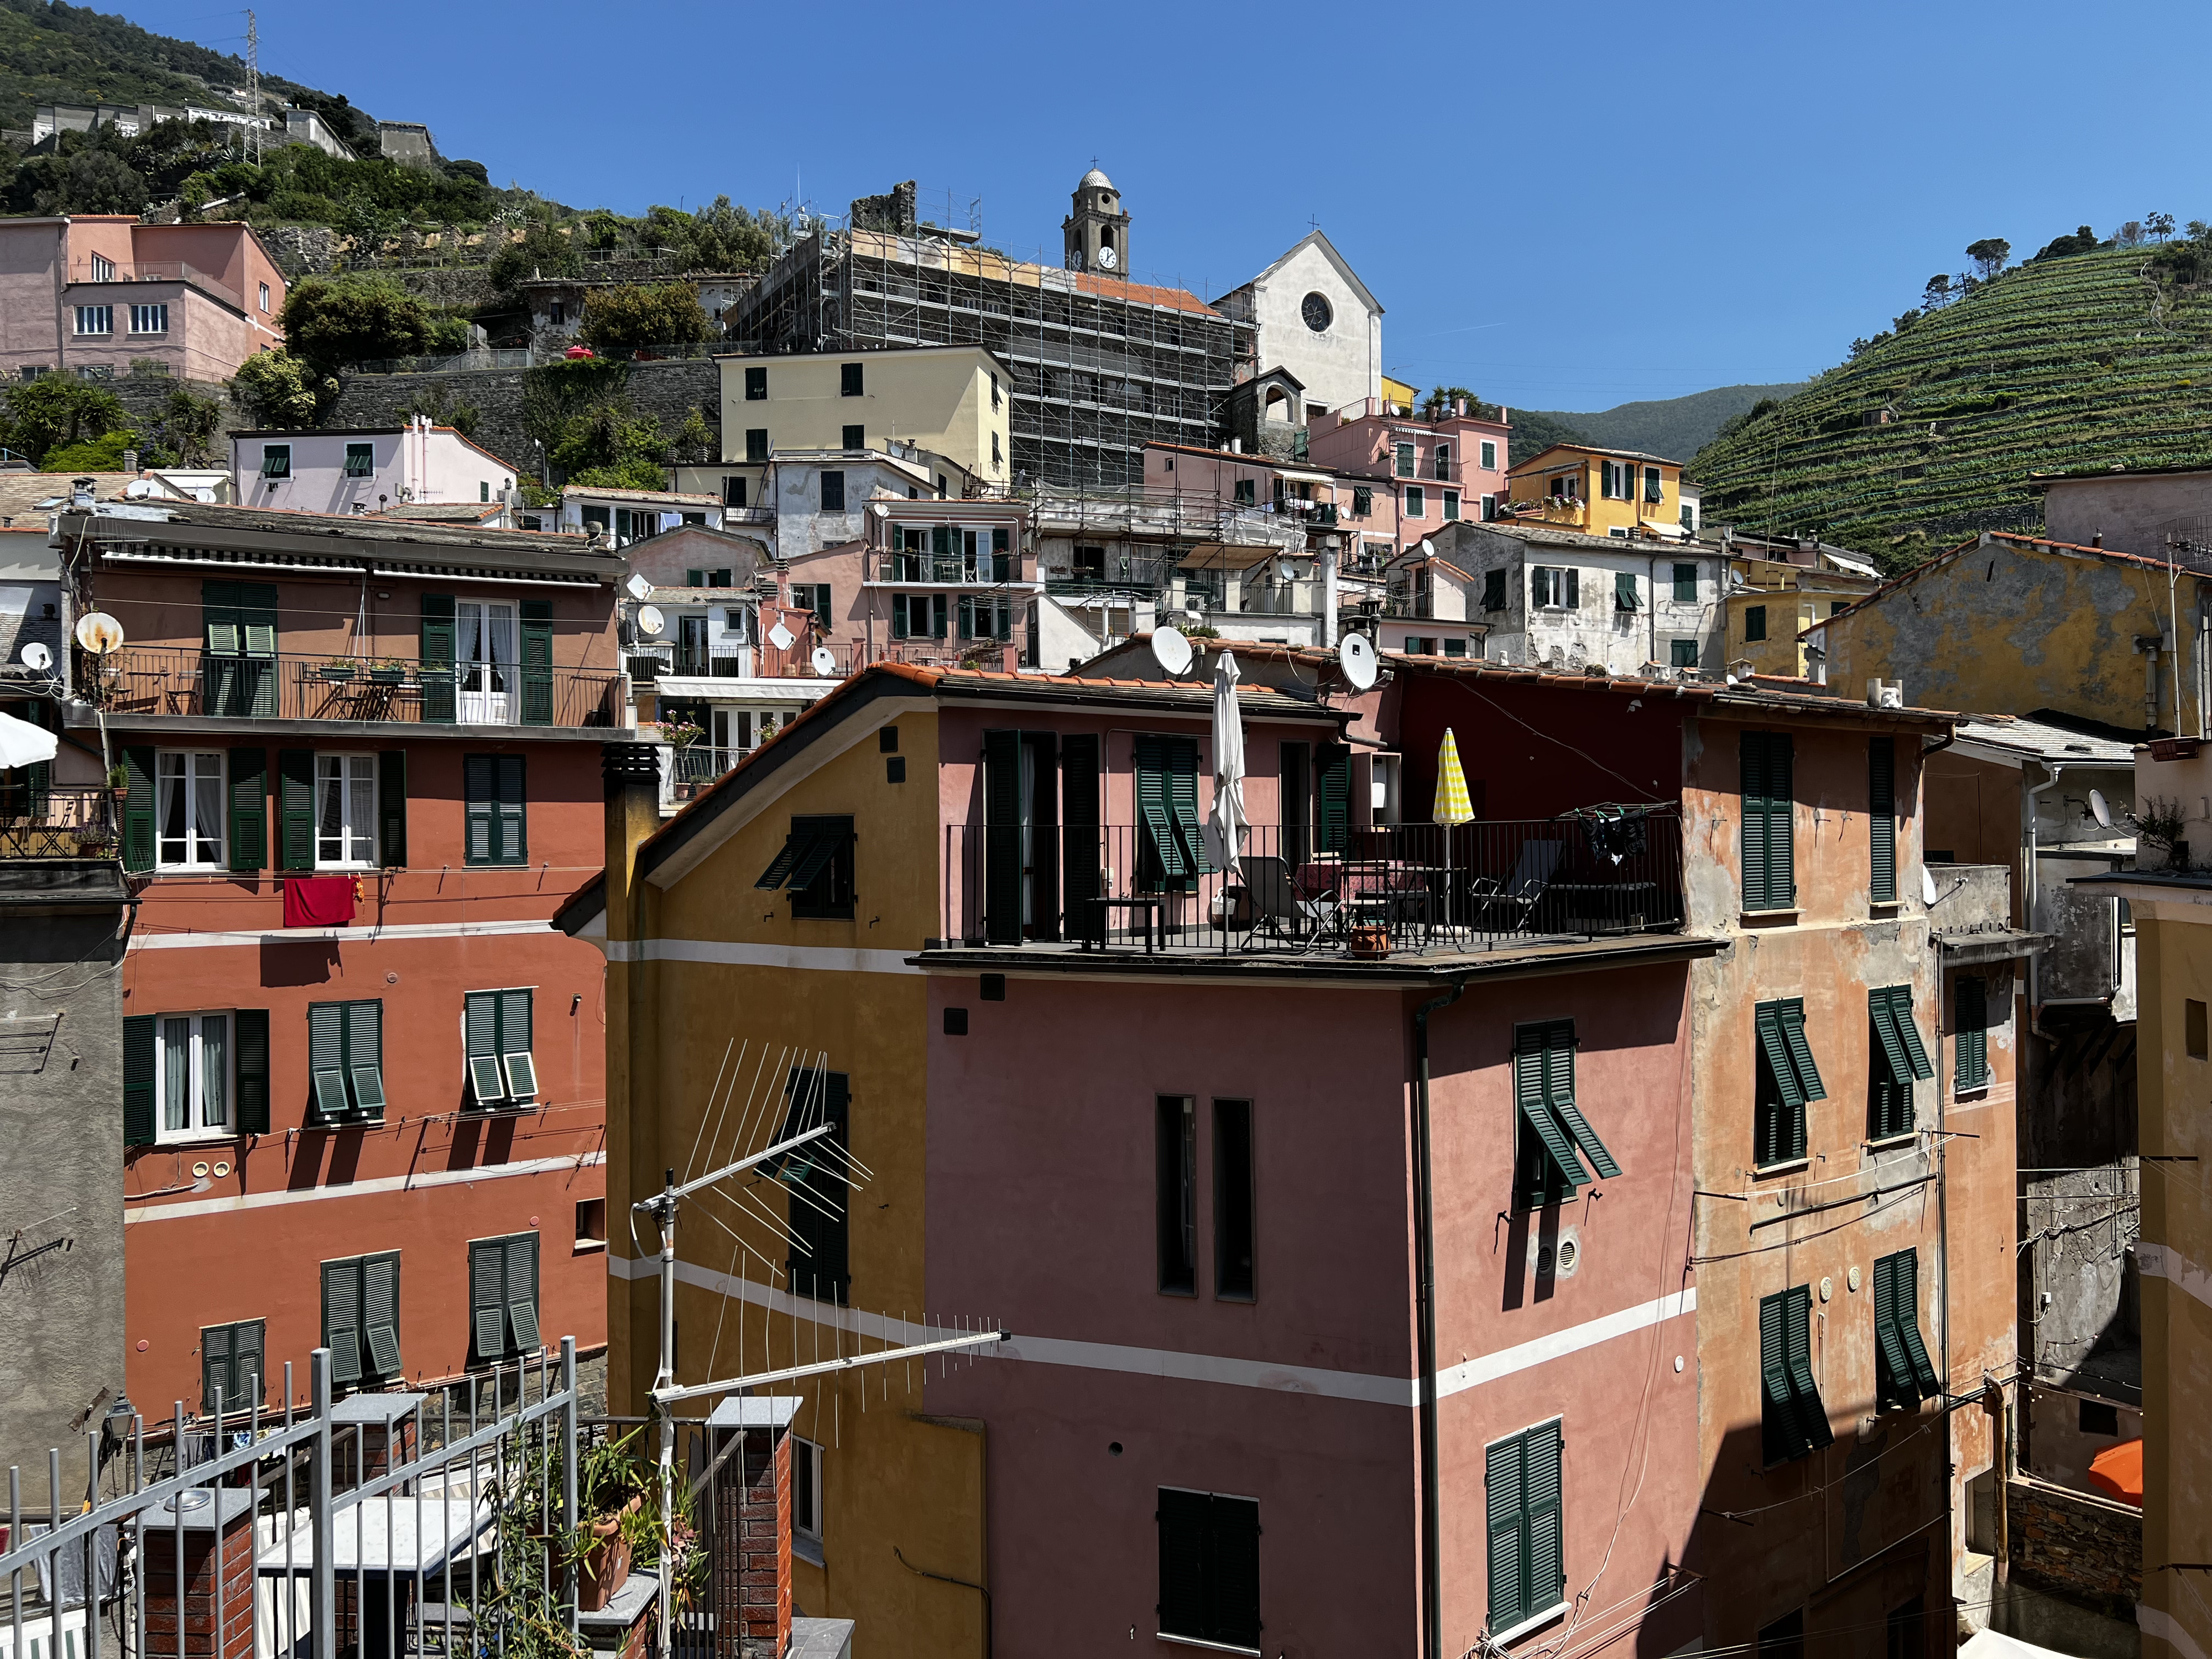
1424	1276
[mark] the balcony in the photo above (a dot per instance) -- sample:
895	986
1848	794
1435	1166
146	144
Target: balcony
190	684
694	769
85	271
55	824
1416	889
956	571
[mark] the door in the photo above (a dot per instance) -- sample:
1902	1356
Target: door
484	660
691	644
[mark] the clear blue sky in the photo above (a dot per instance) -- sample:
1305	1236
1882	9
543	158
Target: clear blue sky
1560	208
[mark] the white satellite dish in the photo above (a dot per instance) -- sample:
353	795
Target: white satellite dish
638	587
880	510
1926	886
1428	548
99	633
1171	650
824	660
650	621
1355	655
1288	570
39	655
2096	807
780	637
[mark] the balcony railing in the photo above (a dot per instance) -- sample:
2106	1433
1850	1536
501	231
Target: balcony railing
55	823
184	683
951	571
1423	888
693	769
83	270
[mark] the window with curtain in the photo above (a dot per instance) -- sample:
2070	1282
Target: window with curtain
193	1076
189	809
345	811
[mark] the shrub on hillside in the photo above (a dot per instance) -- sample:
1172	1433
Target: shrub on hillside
666	313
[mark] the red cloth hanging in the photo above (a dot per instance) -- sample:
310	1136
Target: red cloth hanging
319	900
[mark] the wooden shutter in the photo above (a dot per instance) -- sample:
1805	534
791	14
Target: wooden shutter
1545	1545
522	1291
1181	756
219	617
1505	1498
364	1052
342	1318
1778	1422
1574	589
1531	1087
481	1042
256	690
488	1296
1900	1003
139	808
1559	1095
1781	815
823	1226
435	668
296	809
392	808
1183	1518
1904	1289
1797	1328
138	1070
537	663
1159	856
1894	1380
1002	836
516	1060
380	1311
215	1369
478	789
252	1025
1081	855
1233	1571
514	838
249	809
1881	818
898	617
1332	778
1971	1037
1801	1051
248	1369
1624	597
326	1061
1768	1019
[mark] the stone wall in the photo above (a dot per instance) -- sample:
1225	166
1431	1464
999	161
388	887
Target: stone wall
2088	1550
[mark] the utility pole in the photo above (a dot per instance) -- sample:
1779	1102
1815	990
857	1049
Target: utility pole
253	81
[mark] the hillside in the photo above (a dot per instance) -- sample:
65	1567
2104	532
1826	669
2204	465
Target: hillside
1676	428
1929	435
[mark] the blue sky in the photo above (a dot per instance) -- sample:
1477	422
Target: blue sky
1559	209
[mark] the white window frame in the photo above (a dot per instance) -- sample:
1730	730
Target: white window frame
807	1448
103	317
158	315
103	268
1551	586
1416	502
186	778
348	832
194	1126
264	296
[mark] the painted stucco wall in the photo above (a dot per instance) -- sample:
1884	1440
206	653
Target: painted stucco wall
33	255
941	398
1340	364
439	465
2135	513
1597	630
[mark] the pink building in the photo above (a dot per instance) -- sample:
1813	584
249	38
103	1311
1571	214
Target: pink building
1438	471
366	469
95	293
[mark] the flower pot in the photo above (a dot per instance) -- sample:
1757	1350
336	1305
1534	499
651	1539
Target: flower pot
337	676
1370	942
605	1567
388	676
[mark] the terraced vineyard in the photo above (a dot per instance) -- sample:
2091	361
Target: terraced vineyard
1931	435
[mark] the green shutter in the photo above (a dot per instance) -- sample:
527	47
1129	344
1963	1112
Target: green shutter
342	1318
380	1311
364	1055
1881	818
296	809
1333	782
478	786
1971	1037
1559	1095
522	1291
219	617
436	653
488	1296
1164	855
252	1071
1779	1420
138	809
537	662
1772	1044
1624	597
514	1032
248	1370
1545	1546
138	1080
215	1369
1781	813
1904	1288
1532	1096
1797	1328
1900	1002
1792	1032
1002	834
392	808
1081	851
326	1061
1181	756
1894	1378
513	829
1504	1489
1753	789
249	809
1183	1520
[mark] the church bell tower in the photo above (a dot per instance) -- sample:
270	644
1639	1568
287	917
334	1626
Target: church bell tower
1096	229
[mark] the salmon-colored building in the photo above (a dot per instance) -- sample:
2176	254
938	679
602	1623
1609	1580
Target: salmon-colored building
363	1081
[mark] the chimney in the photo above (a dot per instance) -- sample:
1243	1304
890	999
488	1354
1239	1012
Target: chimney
211	1581
752	1525
80	492
2097	540
1236	445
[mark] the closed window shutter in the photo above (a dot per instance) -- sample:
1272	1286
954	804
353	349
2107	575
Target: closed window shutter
436	653
522	1291
1506	1512
219	617
1545	1544
1080	851
215	1369
478	786
296	809
1971	1061
1333	787
513	837
249	809
248	1370
380	1311
515	1044
138	809
481	1038
1002	836
1882	818
1183	1518
898	617
342	1318
364	1050
138	1080
326	1061
256	691
821	1222
1233	1571
1781	802
252	1070
1753	791
537	662
392	808
1182	801
488	1296
1574	590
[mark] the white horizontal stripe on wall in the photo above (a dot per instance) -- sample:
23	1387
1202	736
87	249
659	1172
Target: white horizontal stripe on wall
369	1189
370	935
2162	1262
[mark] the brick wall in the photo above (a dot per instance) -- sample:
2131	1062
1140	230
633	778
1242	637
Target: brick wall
2086	1549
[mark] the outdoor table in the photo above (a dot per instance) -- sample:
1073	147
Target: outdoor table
1152	907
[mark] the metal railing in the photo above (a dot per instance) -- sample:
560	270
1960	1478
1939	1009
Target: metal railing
184	682
1346	891
950	570
46	822
694	767
83	270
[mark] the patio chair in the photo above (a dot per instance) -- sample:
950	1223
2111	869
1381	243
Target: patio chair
1515	898
1275	903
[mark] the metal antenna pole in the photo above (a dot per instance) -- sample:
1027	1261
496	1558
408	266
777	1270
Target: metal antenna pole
253	80
665	1214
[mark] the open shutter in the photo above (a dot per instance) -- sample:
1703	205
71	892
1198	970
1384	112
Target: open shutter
1183	801
1779	1419
392	808
138	1080
513	839
326	1061
248	1370
488	1296
255	692
480	787
781	866
1887	1036
1624	597
1333	783
1908	1030
1233	1572
481	1032
537	662
522	1291
1792	1014
1775	1047
435	668
296	809
1894	1384
1904	1288
252	1064
1881	818
1183	1518
1002	836
215	1369
249	809
1081	857
1152	789
380	1311
1504	1484
342	1318
1547	1557
139	808
219	618
515	1045
1797	1327
1531	1095
364	1051
1559	1095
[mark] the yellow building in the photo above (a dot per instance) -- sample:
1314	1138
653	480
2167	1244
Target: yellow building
1600	492
2012	624
1772	602
1398	396
955	401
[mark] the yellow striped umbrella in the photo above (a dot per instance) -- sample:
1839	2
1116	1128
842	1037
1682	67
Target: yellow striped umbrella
1452	804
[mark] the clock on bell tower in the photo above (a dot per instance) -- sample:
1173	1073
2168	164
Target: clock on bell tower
1096	229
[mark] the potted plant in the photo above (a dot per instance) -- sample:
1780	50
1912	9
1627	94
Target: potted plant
119	780
389	671
610	1499
1372	941
680	734
339	670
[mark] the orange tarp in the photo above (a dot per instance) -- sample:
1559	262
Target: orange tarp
2117	1471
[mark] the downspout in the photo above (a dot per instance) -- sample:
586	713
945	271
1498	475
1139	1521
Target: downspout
1651	612
1424	1281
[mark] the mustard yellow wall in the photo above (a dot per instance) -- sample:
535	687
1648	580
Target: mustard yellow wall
940	399
1787	611
890	1478
1599	516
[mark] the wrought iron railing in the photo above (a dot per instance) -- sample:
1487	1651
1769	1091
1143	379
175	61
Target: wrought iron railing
162	680
40	822
694	767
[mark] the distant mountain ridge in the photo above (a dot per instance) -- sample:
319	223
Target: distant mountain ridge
1676	428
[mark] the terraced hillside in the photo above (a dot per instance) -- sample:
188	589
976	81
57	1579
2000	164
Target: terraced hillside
1931	434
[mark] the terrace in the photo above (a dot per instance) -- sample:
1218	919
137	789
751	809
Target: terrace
39	823
184	683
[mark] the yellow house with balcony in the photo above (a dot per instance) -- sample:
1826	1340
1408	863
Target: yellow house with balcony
1600	492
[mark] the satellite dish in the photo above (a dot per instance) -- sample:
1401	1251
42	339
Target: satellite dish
1926	886
1171	650
2096	807
780	637
39	655
1355	655
824	660
99	633
1428	548
880	510
638	587
650	621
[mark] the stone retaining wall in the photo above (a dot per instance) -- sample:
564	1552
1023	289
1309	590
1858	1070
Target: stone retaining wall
2086	1549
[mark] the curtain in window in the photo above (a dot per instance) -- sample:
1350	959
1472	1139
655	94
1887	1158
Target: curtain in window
176	1073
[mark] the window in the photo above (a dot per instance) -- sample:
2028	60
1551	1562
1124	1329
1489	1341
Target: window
503	1297
756	385
1234	1276
1652	490
1836	607
192	1081
1626	596
1556	588
820	1264
1209	1567
495	1029
1686	584
1363	501
1454	647
1405	461
239	620
1247	492
189	809
1755	622
1689	515
1440	461
1493	590
149	319
994	405
833	492
1792	1420
345	1061
95	320
920	616
1170	847
1881	820
1089	564
1489	509
1419	645
856	437
1417	502
1769	794
103	268
186	1077
849	377
361	460
806	1490
1451	505
2098	1418
231	1364
361	1317
1489	456
1552	1137
559	313
483	489
1682	654
498	823
1903	1376
1618	480
2195	1028
591	1224
1785	1078
345	811
1898	1060
998	459
264	296
733	492
1521	1501
1175	1154
814	596
756	443
815	865
1903	1635
276	460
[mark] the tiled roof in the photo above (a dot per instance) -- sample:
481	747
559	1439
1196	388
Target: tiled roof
1732	699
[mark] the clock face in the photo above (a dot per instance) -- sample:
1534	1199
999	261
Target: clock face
1106	260
1315	308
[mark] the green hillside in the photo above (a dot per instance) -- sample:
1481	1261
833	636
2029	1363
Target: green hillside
1929	435
1676	428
